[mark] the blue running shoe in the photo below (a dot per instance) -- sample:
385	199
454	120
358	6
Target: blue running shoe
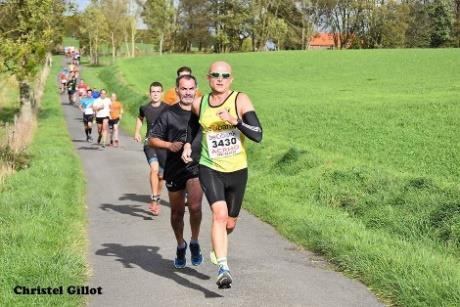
224	279
180	261
195	250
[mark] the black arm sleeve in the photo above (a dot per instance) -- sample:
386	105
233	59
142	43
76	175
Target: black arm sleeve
192	128
250	126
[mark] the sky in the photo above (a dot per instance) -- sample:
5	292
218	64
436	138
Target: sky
82	4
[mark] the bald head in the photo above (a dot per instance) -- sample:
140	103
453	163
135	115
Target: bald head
220	66
220	77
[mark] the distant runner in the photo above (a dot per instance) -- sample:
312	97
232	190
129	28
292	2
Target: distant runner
116	112
72	88
86	106
102	108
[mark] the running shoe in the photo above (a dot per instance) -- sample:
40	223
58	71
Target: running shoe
224	279
180	261
195	250
212	257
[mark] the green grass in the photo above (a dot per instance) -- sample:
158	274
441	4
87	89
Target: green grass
71	41
359	160
9	101
42	214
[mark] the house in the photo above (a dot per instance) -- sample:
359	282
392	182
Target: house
322	41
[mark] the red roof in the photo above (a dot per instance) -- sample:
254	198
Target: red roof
322	39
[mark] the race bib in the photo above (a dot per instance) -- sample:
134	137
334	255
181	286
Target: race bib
223	144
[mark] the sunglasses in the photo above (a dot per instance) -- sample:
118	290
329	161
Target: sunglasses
224	75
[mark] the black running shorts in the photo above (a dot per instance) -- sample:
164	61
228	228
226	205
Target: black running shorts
180	183
113	122
100	120
153	155
88	118
229	187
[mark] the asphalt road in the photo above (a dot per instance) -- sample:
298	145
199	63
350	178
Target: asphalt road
131	252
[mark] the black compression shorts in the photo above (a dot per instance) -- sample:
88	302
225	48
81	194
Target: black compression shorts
228	187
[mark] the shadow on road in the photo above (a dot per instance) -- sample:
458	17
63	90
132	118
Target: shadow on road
133	210
89	148
141	198
148	258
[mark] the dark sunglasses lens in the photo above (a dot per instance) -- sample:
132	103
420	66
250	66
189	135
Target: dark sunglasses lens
214	74
225	76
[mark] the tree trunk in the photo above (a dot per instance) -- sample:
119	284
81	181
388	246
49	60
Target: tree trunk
133	34
96	52
162	36
303	34
127	45
90	50
113	48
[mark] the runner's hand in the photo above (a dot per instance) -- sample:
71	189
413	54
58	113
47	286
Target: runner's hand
224	115
187	153
137	137
175	146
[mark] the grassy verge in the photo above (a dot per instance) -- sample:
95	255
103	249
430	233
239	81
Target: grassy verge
42	215
9	101
359	161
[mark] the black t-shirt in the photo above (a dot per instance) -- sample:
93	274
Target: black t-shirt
151	114
171	126
72	85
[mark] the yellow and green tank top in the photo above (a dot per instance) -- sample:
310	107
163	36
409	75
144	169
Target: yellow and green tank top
222	145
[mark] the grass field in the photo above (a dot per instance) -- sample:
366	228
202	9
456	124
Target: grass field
359	160
42	215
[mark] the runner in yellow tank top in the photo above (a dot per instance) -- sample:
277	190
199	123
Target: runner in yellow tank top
225	118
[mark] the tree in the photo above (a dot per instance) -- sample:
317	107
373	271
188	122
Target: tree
456	24
95	28
28	30
115	12
418	34
305	8
158	15
441	17
394	27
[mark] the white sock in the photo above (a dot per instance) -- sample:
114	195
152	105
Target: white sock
222	263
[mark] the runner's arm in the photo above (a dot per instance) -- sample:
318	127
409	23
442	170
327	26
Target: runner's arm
192	128
139	121
192	131
250	126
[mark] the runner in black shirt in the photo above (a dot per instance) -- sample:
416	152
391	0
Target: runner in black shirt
169	133
155	157
72	88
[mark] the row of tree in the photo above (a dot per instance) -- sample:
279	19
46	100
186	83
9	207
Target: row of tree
28	30
247	25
